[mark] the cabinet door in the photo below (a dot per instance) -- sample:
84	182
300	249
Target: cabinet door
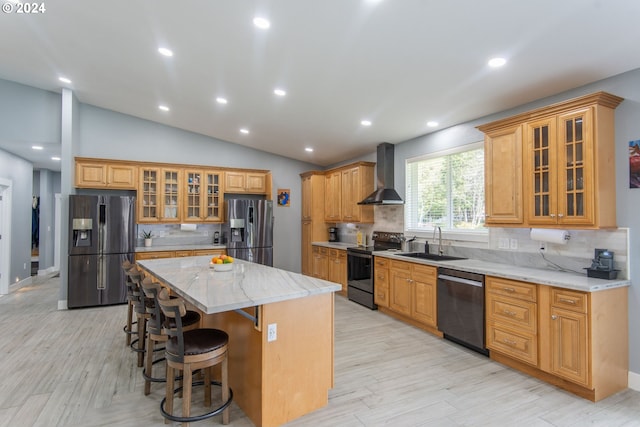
424	301
575	174
234	182
121	176
192	187
569	345
503	176
148	195
381	286
337	265
320	263
91	175
333	196
541	170
400	291
256	182
214	199
170	190
350	186
306	198
307	250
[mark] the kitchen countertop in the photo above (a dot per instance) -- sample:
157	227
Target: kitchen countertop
178	248
559	279
567	280
247	285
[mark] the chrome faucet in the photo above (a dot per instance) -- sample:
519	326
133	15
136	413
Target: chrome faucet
440	251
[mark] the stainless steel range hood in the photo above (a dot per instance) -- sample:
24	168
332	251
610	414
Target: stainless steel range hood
385	193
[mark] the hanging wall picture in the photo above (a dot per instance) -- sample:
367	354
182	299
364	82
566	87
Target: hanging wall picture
283	197
634	164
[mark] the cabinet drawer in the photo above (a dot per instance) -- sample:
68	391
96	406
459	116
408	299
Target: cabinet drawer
381	276
400	265
320	250
512	288
569	300
425	273
154	255
520	345
337	253
184	253
381	262
521	314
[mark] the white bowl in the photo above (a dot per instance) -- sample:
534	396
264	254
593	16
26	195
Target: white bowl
222	267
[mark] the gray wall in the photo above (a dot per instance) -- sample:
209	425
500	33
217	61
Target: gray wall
20	172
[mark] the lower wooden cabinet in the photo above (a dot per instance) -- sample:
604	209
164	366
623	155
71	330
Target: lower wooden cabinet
337	268
412	291
575	340
381	281
154	255
180	253
320	263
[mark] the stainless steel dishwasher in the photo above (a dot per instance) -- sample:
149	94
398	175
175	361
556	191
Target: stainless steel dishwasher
461	308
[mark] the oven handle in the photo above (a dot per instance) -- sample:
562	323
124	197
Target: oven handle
359	255
460	280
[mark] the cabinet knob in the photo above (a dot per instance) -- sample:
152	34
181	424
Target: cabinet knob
560	215
554	317
552	215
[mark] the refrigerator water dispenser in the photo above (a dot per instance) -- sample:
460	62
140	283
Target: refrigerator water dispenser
82	232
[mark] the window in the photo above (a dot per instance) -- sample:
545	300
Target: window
446	189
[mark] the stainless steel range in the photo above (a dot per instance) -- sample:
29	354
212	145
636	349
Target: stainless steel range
360	274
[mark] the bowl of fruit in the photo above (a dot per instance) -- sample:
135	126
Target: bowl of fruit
221	263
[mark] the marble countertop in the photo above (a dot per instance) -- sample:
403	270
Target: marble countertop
246	285
178	248
335	245
579	282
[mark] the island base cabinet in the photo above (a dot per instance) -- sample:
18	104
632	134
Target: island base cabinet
275	382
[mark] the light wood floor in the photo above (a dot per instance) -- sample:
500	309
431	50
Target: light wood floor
71	368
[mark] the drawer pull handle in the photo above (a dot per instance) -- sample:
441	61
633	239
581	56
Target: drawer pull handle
508	289
509	342
509	313
567	301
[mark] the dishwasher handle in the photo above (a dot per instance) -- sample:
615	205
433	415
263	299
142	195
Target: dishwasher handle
460	280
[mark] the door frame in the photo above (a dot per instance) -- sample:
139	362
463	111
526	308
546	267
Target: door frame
5	227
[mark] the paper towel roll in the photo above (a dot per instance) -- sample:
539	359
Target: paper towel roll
560	237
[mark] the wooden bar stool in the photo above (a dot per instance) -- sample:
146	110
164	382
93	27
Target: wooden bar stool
128	327
155	331
188	351
140	303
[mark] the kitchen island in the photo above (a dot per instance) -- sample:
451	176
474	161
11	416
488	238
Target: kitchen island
275	377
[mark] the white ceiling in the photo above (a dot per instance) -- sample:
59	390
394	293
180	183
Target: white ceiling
398	63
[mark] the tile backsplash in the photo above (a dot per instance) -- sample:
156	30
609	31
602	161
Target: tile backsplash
175	234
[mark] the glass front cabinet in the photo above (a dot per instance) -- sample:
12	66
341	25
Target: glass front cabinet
568	156
203	196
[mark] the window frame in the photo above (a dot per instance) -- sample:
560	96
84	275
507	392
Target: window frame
481	235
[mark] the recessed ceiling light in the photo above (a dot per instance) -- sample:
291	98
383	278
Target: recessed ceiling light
37	147
164	51
279	92
261	22
309	150
163	107
497	62
365	123
64	80
244	130
221	100
56	158
432	124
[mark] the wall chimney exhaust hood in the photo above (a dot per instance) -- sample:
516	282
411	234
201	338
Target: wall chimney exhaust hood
385	194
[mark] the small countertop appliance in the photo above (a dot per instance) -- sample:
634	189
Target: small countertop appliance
333	234
602	265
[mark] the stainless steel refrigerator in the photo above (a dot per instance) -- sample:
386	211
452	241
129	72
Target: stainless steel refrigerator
249	230
101	236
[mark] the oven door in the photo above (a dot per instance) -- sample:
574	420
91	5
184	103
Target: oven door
360	271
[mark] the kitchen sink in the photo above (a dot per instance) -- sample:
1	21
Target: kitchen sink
433	257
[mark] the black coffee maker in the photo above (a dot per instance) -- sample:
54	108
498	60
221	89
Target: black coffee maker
333	234
602	265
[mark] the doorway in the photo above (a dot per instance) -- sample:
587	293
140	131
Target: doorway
5	234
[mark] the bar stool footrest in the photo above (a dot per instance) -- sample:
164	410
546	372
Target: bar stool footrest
192	418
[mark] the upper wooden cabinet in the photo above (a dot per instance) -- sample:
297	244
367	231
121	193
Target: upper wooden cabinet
313	227
245	182
344	188
159	195
503	176
203	198
112	175
568	155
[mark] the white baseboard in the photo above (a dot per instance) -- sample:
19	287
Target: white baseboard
634	381
62	305
51	271
17	285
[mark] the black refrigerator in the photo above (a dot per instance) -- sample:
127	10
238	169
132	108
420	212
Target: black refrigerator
101	237
249	230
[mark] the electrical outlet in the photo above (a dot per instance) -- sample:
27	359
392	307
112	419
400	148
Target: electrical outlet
513	244
272	332
503	243
543	246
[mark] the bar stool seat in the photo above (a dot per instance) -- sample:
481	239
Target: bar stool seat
189	351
